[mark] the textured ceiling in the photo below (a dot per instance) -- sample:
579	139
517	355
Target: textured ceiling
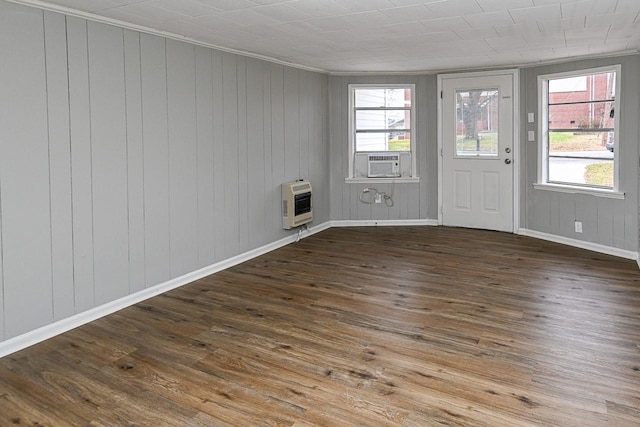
385	35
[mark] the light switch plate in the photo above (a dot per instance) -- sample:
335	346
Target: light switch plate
531	117
531	136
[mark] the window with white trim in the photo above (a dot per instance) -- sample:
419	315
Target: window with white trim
579	129
381	122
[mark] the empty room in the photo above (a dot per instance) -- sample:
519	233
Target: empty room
319	213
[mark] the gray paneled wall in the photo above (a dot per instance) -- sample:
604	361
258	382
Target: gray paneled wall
411	200
128	159
605	221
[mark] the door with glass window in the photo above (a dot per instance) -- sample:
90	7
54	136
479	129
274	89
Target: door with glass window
477	152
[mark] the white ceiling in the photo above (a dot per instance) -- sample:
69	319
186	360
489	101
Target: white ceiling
384	35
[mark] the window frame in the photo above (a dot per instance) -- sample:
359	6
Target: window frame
543	133
352	87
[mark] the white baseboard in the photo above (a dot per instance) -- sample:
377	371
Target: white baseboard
609	250
383	222
33	337
49	331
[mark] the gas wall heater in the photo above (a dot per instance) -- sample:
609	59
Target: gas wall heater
383	165
297	206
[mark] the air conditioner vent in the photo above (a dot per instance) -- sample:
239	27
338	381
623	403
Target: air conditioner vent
382	165
381	157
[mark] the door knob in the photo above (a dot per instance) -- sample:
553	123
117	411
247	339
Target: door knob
507	150
507	161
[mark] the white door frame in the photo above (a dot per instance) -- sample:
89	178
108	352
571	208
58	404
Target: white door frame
515	75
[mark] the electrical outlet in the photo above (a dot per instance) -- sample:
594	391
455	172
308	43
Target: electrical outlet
578	225
378	198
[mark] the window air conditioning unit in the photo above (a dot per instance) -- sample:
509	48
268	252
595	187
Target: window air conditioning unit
297	207
382	165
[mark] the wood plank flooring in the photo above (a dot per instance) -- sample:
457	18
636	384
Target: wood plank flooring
411	326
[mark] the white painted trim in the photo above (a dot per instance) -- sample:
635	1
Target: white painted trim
609	250
352	87
413	180
517	145
383	222
49	331
543	131
147	30
38	335
110	21
524	64
572	189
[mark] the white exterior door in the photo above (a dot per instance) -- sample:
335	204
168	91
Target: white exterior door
477	132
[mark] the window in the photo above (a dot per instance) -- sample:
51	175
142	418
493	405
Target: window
381	121
579	129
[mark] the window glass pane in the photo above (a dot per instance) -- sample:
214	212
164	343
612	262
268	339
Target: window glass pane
582	144
382	119
477	122
581	171
590	87
591	115
383	141
383	98
581	139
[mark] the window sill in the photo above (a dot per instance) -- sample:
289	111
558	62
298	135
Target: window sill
579	190
406	180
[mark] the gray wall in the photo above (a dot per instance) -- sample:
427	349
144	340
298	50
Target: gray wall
605	221
411	200
127	160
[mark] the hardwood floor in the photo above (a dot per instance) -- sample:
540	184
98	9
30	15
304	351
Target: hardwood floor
412	326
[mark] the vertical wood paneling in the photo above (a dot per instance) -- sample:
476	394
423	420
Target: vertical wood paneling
318	164
204	123
24	171
59	164
335	152
291	123
218	156
271	198
605	221
566	217
619	232
230	149
277	139
127	159
255	135
243	154
109	162
400	197
428	146
156	159
413	201
303	123
3	314
394	211
135	160
604	224
552	219
587	212
81	175
183	153
343	148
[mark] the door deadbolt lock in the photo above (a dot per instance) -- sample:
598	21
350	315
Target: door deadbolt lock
507	150
507	161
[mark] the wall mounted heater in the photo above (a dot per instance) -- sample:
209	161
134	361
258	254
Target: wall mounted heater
382	165
297	206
